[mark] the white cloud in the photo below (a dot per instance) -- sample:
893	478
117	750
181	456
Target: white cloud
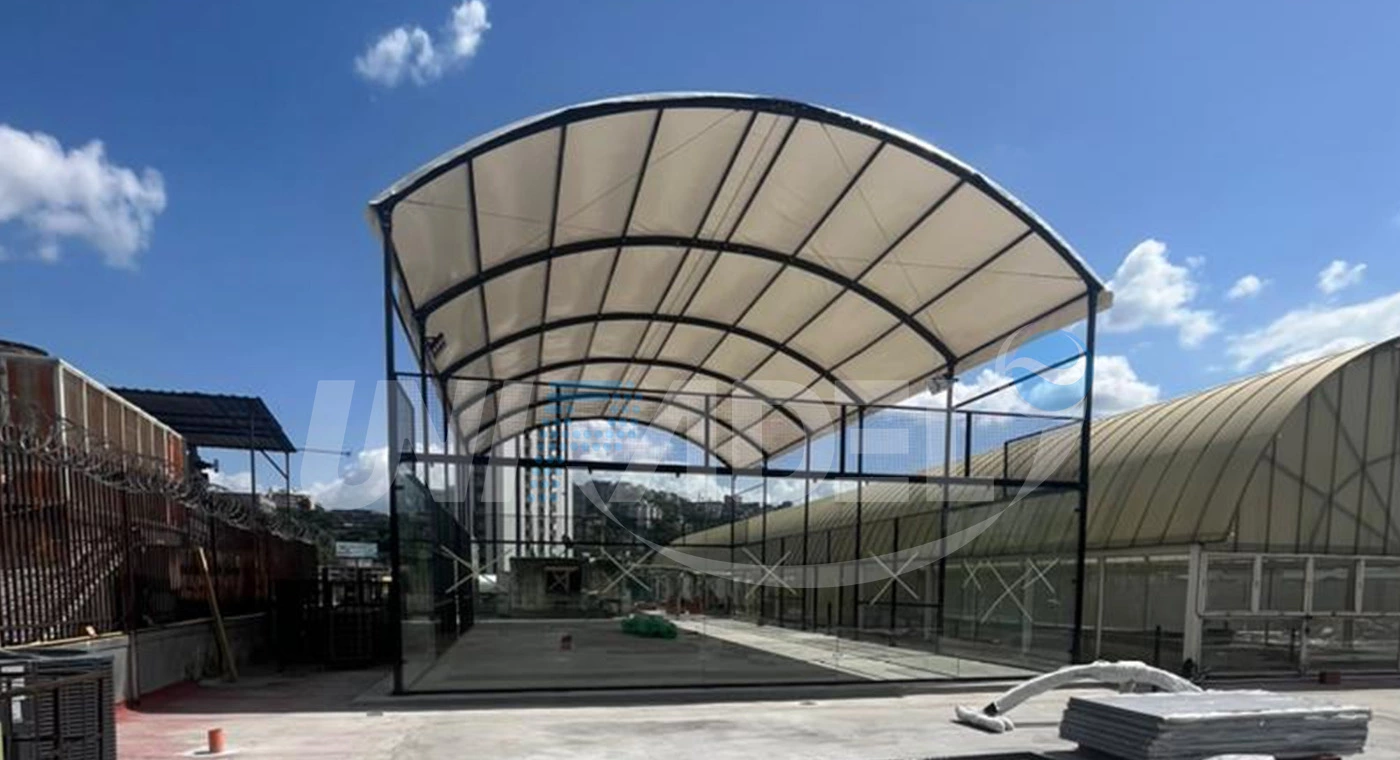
411	53
1339	275
77	194
1150	291
233	481
619	441
1315	331
362	484
986	380
1245	287
467	26
1117	388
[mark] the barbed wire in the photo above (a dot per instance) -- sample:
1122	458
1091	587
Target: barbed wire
26	429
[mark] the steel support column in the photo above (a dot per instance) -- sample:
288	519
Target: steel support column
806	530
733	517
423	398
392	419
1082	532
943	510
763	547
859	552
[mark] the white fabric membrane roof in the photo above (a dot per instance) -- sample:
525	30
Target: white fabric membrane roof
764	250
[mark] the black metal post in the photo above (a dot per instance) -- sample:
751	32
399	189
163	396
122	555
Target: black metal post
133	673
733	516
386	230
841	443
708	425
423	398
967	445
943	512
806	529
1091	334
763	547
860	505
520	442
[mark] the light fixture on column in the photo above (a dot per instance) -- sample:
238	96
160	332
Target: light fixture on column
940	383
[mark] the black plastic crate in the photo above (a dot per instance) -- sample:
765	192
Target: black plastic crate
67	749
57	704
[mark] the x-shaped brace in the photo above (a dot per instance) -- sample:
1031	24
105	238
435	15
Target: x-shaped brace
769	571
894	577
474	570
626	570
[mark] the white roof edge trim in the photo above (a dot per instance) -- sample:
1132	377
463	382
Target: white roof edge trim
858	315
660	99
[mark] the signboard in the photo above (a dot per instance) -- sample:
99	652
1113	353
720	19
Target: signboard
356	550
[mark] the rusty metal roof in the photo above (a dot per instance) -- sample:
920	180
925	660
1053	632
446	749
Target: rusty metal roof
214	420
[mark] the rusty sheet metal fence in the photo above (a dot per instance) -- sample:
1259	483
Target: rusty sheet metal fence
94	543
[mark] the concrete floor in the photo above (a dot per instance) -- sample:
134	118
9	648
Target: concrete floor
526	654
520	654
329	716
864	659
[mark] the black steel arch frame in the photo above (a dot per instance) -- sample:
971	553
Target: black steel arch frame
583	463
622	396
682	244
758	104
383	206
733	382
723	328
797	112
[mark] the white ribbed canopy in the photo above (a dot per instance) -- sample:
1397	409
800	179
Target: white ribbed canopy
702	243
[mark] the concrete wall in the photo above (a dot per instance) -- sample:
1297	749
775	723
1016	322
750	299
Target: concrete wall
532	594
171	654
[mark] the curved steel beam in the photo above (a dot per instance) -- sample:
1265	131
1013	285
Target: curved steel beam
680	244
625	395
795	109
665	363
630	396
583	464
674	319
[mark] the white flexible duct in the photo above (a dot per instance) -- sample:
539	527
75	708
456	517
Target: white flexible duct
993	716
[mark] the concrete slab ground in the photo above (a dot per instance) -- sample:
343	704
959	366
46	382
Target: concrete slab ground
320	716
864	659
527	654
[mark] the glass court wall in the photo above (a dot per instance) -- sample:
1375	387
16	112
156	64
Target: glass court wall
850	558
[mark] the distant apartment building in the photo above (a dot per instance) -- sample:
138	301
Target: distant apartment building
523	511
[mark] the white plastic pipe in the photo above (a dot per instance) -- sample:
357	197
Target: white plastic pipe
1128	673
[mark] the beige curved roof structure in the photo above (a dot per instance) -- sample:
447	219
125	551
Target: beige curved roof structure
1302	459
712	244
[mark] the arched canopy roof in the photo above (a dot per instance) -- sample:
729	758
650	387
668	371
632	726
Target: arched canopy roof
711	243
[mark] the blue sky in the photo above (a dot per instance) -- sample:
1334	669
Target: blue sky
218	240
